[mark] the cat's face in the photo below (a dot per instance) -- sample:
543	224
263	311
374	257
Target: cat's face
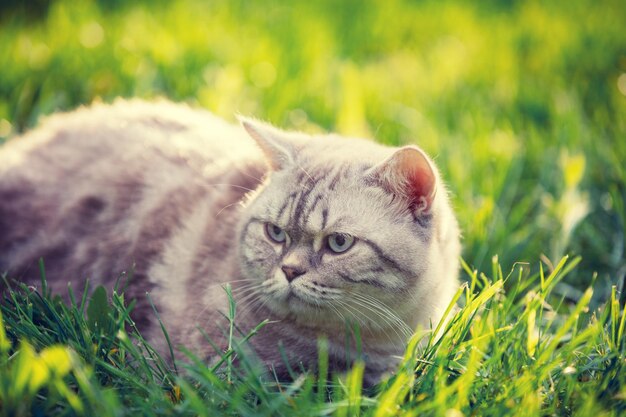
329	240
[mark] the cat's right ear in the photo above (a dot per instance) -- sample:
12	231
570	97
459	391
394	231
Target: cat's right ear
409	175
277	150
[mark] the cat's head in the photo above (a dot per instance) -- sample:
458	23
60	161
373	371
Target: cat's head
342	230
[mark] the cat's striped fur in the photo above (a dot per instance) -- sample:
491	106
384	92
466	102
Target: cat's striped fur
188	202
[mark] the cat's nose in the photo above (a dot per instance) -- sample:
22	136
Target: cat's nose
292	271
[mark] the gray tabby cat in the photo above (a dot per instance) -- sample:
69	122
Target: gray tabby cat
312	232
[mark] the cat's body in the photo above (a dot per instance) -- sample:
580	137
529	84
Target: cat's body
337	230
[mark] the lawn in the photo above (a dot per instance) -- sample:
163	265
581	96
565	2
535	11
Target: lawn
523	106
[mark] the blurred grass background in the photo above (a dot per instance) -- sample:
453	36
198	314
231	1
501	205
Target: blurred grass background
522	103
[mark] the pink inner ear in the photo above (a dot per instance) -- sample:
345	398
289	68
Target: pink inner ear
421	189
418	178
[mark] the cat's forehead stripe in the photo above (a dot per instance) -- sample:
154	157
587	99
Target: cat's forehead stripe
286	203
325	181
308	210
299	206
324	218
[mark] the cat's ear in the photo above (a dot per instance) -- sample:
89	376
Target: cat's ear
277	150
409	175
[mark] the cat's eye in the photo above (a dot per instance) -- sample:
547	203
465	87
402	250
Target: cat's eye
340	242
275	233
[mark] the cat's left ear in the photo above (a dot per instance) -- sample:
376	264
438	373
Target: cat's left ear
408	174
278	151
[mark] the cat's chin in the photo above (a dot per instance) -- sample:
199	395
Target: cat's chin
298	302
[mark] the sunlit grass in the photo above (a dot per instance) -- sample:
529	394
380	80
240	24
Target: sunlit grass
505	352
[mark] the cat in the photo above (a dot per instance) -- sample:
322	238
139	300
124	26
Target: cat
316	233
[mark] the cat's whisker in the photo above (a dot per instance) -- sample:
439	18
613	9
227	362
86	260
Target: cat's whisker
239	289
251	294
318	308
208	307
234	281
306	173
254	294
227	206
201	312
231	282
336	310
364	324
271	285
387	317
259	307
384	329
241	187
250	303
243	303
374	324
260	180
386	312
243	292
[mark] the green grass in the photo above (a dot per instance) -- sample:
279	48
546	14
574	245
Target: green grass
503	353
523	106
